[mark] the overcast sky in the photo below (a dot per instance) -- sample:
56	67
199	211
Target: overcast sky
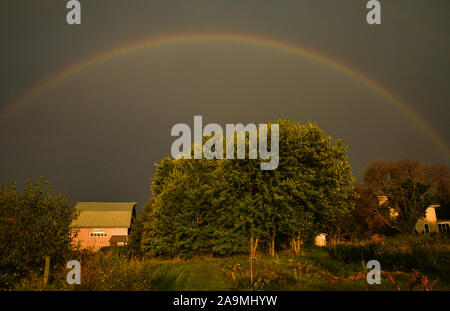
97	134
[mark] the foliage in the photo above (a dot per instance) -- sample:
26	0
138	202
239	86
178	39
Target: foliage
410	187
315	270
215	206
407	252
118	251
109	269
33	224
137	229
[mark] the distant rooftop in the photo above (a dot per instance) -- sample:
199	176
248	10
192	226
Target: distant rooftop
104	214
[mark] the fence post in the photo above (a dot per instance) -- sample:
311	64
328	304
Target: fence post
46	269
251	261
252	255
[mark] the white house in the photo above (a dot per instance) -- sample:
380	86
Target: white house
427	224
430	223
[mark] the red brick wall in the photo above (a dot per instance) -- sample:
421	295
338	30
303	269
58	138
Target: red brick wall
95	243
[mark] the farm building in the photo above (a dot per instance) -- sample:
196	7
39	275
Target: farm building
103	223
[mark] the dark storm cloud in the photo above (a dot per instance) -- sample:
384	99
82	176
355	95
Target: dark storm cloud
97	135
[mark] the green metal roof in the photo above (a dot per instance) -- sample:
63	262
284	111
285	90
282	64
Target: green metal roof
104	214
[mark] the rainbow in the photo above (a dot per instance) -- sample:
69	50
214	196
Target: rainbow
263	42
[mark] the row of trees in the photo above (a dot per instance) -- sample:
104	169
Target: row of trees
215	206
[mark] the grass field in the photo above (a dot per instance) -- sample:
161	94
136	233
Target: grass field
314	269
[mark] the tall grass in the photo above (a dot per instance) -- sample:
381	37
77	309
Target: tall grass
107	271
426	253
340	267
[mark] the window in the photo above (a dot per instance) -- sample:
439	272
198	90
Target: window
444	227
97	234
427	228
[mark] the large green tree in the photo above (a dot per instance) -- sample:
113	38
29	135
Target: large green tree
215	206
33	224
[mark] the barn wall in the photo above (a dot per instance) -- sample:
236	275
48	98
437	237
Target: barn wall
96	242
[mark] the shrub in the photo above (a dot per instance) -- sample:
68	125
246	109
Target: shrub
109	270
117	251
404	252
33	224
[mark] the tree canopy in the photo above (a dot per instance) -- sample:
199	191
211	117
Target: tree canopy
34	224
215	206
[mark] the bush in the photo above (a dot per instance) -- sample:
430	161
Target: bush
110	270
33	224
404	252
118	251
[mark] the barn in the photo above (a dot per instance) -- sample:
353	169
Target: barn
102	224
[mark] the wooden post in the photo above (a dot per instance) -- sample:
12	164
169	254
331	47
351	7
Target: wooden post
273	246
296	245
251	262
46	269
252	255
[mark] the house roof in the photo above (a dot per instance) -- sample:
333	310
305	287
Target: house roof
442	213
104	214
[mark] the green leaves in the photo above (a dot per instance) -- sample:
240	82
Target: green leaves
33	224
214	206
